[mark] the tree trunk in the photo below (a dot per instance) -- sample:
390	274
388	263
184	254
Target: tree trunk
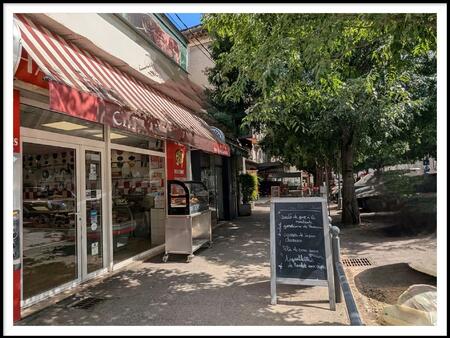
320	177
350	211
327	181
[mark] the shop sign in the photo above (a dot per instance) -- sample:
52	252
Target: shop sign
28	71
221	149
92	172
94	249
89	107
176	160
137	122
94	220
151	27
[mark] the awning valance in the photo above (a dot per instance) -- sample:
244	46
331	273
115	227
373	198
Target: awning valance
80	82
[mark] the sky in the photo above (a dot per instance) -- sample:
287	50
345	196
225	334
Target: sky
188	19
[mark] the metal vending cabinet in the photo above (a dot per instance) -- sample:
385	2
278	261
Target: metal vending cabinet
188	225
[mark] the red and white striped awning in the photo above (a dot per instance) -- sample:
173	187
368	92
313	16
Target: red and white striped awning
77	78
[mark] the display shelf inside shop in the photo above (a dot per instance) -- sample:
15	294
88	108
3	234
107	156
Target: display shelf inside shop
48	200
130	178
46	212
47	165
135	161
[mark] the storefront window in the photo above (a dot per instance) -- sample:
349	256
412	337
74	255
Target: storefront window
208	177
138	183
49	222
128	139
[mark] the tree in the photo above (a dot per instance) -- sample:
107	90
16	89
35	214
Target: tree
414	140
332	81
228	112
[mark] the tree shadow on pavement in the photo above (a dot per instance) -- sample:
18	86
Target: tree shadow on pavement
360	241
164	297
227	284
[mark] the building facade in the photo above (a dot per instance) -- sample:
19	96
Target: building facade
104	116
220	173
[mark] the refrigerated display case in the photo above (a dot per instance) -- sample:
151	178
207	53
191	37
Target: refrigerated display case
188	225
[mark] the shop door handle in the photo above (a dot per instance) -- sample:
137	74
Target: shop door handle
78	214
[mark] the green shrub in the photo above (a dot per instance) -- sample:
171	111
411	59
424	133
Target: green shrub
249	187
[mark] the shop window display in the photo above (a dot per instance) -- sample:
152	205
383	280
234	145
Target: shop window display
138	202
137	141
208	177
49	224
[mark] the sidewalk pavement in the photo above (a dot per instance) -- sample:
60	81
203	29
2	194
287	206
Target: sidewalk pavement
227	284
392	259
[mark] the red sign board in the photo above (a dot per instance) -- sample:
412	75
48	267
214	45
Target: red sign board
221	149
176	161
28	71
16	121
68	100
16	294
73	102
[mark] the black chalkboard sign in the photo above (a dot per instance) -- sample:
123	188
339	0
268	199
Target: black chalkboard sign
299	241
300	244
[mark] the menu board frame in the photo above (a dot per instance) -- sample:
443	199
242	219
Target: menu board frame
274	279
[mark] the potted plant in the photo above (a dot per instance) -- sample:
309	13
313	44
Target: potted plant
249	193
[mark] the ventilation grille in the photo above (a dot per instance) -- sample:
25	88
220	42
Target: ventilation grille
86	303
350	262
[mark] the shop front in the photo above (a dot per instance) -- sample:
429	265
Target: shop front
82	182
90	164
63	203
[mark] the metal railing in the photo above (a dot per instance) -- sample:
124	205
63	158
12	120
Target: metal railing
340	279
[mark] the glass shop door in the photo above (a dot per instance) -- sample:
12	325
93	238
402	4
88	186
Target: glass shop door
92	210
63	201
51	221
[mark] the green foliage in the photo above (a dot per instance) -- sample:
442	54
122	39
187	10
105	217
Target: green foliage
317	84
398	184
306	80
249	187
227	111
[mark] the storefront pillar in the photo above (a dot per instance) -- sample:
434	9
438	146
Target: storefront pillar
17	214
109	262
188	164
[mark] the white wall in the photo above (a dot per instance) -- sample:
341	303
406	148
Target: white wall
110	34
199	62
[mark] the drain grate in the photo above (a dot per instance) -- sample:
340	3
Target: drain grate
356	262
86	303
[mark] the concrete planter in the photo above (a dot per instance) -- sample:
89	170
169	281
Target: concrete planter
245	209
